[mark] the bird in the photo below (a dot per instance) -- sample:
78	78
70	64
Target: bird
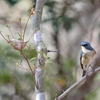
86	55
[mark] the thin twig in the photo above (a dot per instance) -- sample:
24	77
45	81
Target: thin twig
20	35
33	72
26	26
3	37
64	94
53	50
10	32
32	35
28	63
22	67
21	29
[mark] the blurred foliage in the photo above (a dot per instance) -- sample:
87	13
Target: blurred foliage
55	82
8	52
58	21
92	95
58	15
21	79
5	76
31	52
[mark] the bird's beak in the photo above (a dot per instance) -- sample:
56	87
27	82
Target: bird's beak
81	45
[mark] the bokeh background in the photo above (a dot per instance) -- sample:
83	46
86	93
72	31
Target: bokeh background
65	24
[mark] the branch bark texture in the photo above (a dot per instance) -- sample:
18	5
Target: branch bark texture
39	78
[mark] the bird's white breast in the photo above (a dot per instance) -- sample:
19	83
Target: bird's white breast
87	56
85	50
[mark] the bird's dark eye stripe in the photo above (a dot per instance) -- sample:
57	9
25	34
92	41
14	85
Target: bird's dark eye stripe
84	44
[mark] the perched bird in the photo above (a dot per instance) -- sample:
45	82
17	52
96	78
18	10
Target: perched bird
86	55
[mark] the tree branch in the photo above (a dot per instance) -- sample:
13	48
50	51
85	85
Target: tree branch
83	79
38	14
39	78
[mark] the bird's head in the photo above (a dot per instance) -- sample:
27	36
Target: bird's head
86	46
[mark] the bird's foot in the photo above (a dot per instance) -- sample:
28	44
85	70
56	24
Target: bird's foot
93	69
87	76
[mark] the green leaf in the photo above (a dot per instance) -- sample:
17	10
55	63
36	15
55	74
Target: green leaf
34	58
20	61
45	56
19	38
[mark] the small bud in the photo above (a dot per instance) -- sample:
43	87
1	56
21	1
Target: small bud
32	11
17	64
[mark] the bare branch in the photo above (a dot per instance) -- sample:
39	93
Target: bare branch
83	79
10	31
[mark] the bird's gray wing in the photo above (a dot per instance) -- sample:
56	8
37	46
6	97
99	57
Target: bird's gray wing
84	72
81	59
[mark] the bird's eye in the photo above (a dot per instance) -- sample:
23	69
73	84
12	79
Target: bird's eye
85	44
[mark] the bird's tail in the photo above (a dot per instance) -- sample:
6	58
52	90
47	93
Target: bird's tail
84	72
